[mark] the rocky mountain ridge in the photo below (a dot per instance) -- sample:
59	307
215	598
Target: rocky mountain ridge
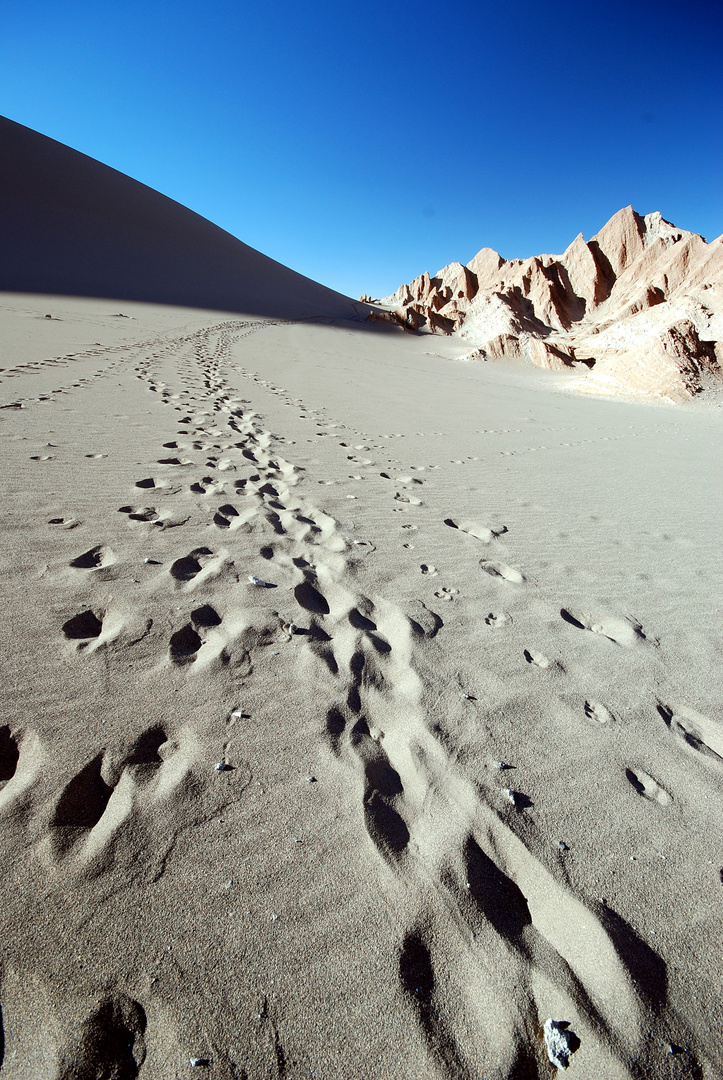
638	308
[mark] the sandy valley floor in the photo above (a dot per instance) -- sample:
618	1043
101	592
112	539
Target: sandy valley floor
453	636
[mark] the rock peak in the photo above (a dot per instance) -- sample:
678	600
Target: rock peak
640	305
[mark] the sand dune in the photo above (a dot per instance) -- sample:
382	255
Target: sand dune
361	708
73	226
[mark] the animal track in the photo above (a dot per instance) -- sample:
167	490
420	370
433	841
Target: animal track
649	788
498	619
598	713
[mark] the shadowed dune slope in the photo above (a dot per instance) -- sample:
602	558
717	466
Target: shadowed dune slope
71	225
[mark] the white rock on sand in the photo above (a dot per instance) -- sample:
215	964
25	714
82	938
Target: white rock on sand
351	894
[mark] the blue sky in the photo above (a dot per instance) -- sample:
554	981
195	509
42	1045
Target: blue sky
364	143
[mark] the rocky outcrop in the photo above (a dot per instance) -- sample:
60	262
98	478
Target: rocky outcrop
673	364
640	304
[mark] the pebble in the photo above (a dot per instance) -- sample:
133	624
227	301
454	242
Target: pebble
562	845
311	780
518	800
223	766
259	581
199	1062
560	1043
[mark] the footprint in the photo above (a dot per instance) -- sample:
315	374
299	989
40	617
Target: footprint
186	568
446	594
67	523
361	621
143	513
410	500
110	1042
429	569
9	755
83	626
335	727
93	558
205	616
80	806
649	788
425	623
623	631
497	897
539	660
502	570
598	713
480	532
222	518
311	599
144	756
184	645
383	788
695	730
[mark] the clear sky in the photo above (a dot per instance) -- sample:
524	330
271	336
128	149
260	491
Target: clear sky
364	143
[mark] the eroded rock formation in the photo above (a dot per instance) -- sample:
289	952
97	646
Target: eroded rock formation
639	307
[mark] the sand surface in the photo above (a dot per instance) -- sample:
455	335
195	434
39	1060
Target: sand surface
468	719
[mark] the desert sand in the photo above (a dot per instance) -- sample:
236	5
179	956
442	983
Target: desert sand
360	703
